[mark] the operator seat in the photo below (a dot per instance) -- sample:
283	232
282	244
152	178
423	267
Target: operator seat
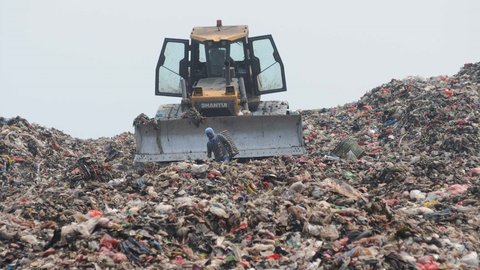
216	62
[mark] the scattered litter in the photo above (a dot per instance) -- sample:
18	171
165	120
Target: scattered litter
388	182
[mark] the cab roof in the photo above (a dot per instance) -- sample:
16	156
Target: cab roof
214	33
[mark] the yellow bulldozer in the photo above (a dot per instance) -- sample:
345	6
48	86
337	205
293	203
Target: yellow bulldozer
220	75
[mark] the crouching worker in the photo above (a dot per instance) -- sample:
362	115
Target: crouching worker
219	145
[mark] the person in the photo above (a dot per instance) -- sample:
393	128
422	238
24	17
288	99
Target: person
219	145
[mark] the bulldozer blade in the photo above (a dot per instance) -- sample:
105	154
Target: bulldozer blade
254	136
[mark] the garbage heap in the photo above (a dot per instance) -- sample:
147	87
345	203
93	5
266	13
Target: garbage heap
388	182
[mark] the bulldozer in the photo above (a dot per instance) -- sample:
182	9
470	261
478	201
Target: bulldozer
220	75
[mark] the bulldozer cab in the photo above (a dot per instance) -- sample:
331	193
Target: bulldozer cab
213	51
220	74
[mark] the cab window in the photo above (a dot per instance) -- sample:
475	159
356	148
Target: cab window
201	53
236	51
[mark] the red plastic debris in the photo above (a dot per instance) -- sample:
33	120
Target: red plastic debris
248	237
80	258
391	202
461	122
321	165
178	260
245	263
213	173
274	256
119	257
448	92
268	234
15	246
367	108
457	189
427	263
95	213
476	171
187	175
240	227
339	244
18	159
352	109
48	252
326	255
108	242
266	185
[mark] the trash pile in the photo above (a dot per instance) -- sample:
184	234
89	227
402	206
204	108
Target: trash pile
388	182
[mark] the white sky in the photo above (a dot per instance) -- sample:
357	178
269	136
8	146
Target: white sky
87	67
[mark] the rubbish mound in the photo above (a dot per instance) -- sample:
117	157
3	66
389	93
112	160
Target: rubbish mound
388	182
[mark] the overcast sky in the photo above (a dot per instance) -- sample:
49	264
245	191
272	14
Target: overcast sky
87	67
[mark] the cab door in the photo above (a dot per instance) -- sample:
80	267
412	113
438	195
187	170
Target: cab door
172	67
267	66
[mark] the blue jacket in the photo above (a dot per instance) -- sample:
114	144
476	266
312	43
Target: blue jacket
220	148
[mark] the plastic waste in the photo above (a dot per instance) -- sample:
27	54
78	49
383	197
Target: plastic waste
457	189
342	188
427	263
471	259
417	195
297	187
329	233
82	204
